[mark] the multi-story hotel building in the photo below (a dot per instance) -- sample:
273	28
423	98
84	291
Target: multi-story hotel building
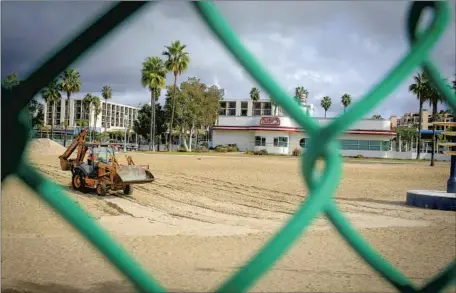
413	119
113	116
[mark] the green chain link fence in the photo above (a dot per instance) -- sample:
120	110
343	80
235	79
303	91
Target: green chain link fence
322	144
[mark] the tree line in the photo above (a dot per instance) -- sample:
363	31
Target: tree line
189	107
35	108
195	106
68	83
425	91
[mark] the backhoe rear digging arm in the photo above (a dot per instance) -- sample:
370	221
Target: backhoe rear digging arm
77	141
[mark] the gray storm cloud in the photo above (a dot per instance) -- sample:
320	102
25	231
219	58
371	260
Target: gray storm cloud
328	47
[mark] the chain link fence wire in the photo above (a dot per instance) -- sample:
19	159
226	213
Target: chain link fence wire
322	144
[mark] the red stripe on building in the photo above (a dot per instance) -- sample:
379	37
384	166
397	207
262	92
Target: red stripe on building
294	129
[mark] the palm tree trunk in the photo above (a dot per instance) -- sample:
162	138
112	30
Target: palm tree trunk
52	120
325	113
418	148
172	113
190	141
434	118
65	124
152	121
106	114
432	148
88	123
95	123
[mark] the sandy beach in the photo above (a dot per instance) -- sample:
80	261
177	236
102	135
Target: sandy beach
204	216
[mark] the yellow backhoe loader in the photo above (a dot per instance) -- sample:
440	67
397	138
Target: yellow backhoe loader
102	170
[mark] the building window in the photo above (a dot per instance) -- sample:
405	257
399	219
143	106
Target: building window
222	109
231	111
50	109
267	109
365	145
281	141
303	143
260	141
256	108
58	110
244	107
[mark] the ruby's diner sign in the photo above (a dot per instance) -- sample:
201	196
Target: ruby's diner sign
270	121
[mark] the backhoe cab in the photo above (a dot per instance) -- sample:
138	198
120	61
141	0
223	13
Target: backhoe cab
102	170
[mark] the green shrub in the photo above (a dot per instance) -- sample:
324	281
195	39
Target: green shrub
182	150
260	152
232	149
249	152
201	149
221	149
226	148
359	157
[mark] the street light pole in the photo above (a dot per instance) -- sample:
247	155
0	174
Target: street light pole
125	137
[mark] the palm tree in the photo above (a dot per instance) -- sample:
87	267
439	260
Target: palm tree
301	93
153	76
70	84
418	88
106	93
97	109
377	117
434	97
255	94
326	103
177	62
346	101
86	106
51	95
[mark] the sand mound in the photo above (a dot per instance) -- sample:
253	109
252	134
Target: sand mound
45	146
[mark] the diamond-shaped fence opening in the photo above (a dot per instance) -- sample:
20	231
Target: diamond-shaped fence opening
322	145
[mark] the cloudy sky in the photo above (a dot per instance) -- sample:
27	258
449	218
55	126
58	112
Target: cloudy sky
328	47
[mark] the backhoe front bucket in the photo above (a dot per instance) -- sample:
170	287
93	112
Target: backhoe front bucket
134	174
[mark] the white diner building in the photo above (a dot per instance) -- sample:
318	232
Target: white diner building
257	125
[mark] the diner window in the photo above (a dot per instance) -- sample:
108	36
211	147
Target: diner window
281	141
267	109
347	144
256	109
364	145
222	109
244	108
231	111
260	141
303	143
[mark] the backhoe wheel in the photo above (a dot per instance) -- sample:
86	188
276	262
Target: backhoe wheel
101	189
78	182
128	190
